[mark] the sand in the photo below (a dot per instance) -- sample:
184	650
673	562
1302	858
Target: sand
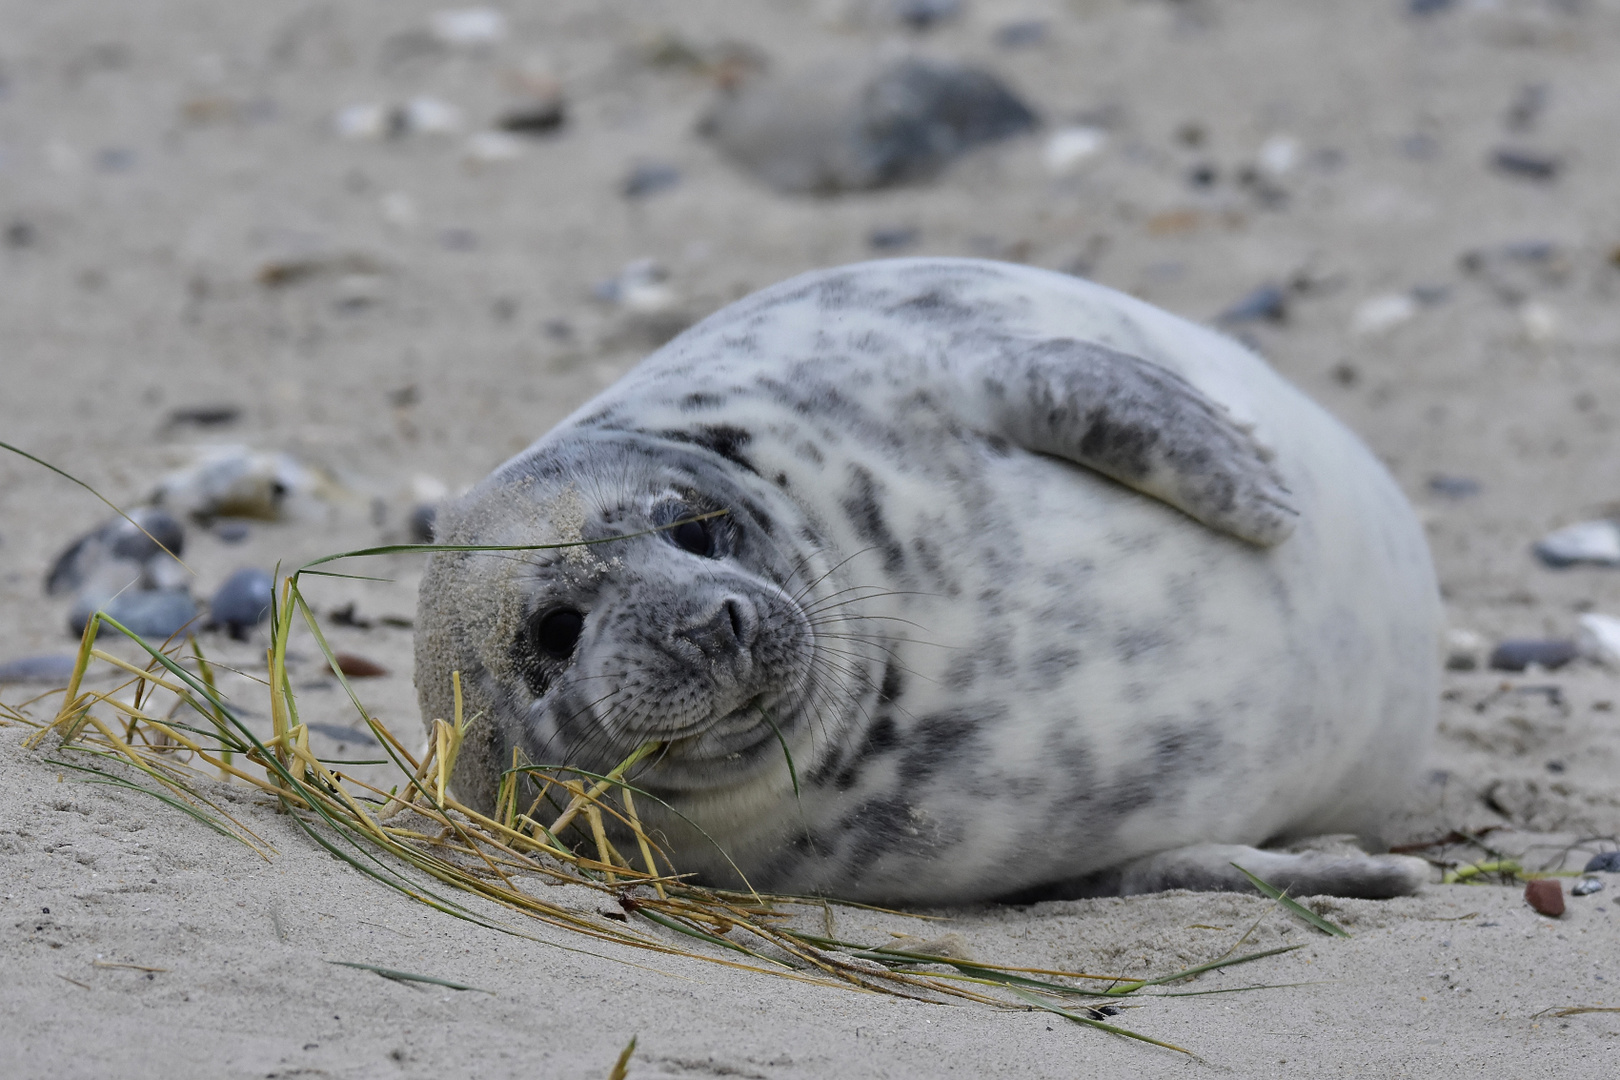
160	160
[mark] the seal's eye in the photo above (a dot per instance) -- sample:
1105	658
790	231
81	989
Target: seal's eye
557	632
693	536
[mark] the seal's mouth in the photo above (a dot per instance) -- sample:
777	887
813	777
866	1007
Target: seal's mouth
736	732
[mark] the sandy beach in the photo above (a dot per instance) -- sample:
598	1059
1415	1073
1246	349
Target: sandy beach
308	219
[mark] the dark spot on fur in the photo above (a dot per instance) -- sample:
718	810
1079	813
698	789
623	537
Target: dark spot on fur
1132	644
1051	665
938	738
892	686
881	737
881	825
866	514
1177	751
935	306
695	401
722	439
780	480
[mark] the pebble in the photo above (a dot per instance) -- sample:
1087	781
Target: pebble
358	667
1517	654
468	27
152	613
1380	314
1454	487
1599	638
925	14
429	116
1268	302
1607	862
1420	146
1069	147
117	539
1540	322
342	735
418	116
640	286
37	669
1429	7
1465	650
242	602
1021	34
845	127
364	121
1546	895
208	416
492	148
1593	542
539	118
1528	105
1517	270
279	272
1278	155
649	178
1587	886
892	239
232	532
1526	164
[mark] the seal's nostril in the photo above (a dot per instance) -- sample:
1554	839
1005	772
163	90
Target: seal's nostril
734	613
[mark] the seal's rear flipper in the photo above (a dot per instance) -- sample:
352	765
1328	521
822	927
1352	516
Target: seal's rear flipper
1208	868
1140	424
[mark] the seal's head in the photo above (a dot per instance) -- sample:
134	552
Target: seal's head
671	614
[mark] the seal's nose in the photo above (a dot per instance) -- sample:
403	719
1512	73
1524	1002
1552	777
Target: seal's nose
725	630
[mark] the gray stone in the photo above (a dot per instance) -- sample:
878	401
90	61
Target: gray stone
155	613
242	602
851	127
37	669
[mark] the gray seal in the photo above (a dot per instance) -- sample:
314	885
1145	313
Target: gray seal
1043	592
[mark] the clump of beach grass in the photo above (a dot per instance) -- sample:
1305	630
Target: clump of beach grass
549	824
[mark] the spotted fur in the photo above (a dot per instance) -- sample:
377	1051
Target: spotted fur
1035	582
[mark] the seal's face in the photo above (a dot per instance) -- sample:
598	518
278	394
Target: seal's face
671	617
674	637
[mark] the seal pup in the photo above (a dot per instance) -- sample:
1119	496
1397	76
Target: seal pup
945	580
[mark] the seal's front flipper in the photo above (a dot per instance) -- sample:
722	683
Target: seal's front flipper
1142	425
1208	868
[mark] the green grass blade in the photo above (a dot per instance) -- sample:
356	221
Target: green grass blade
1237	989
1098	1024
621	1068
793	774
406	976
179	804
1187	973
1294	906
979	971
99	495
